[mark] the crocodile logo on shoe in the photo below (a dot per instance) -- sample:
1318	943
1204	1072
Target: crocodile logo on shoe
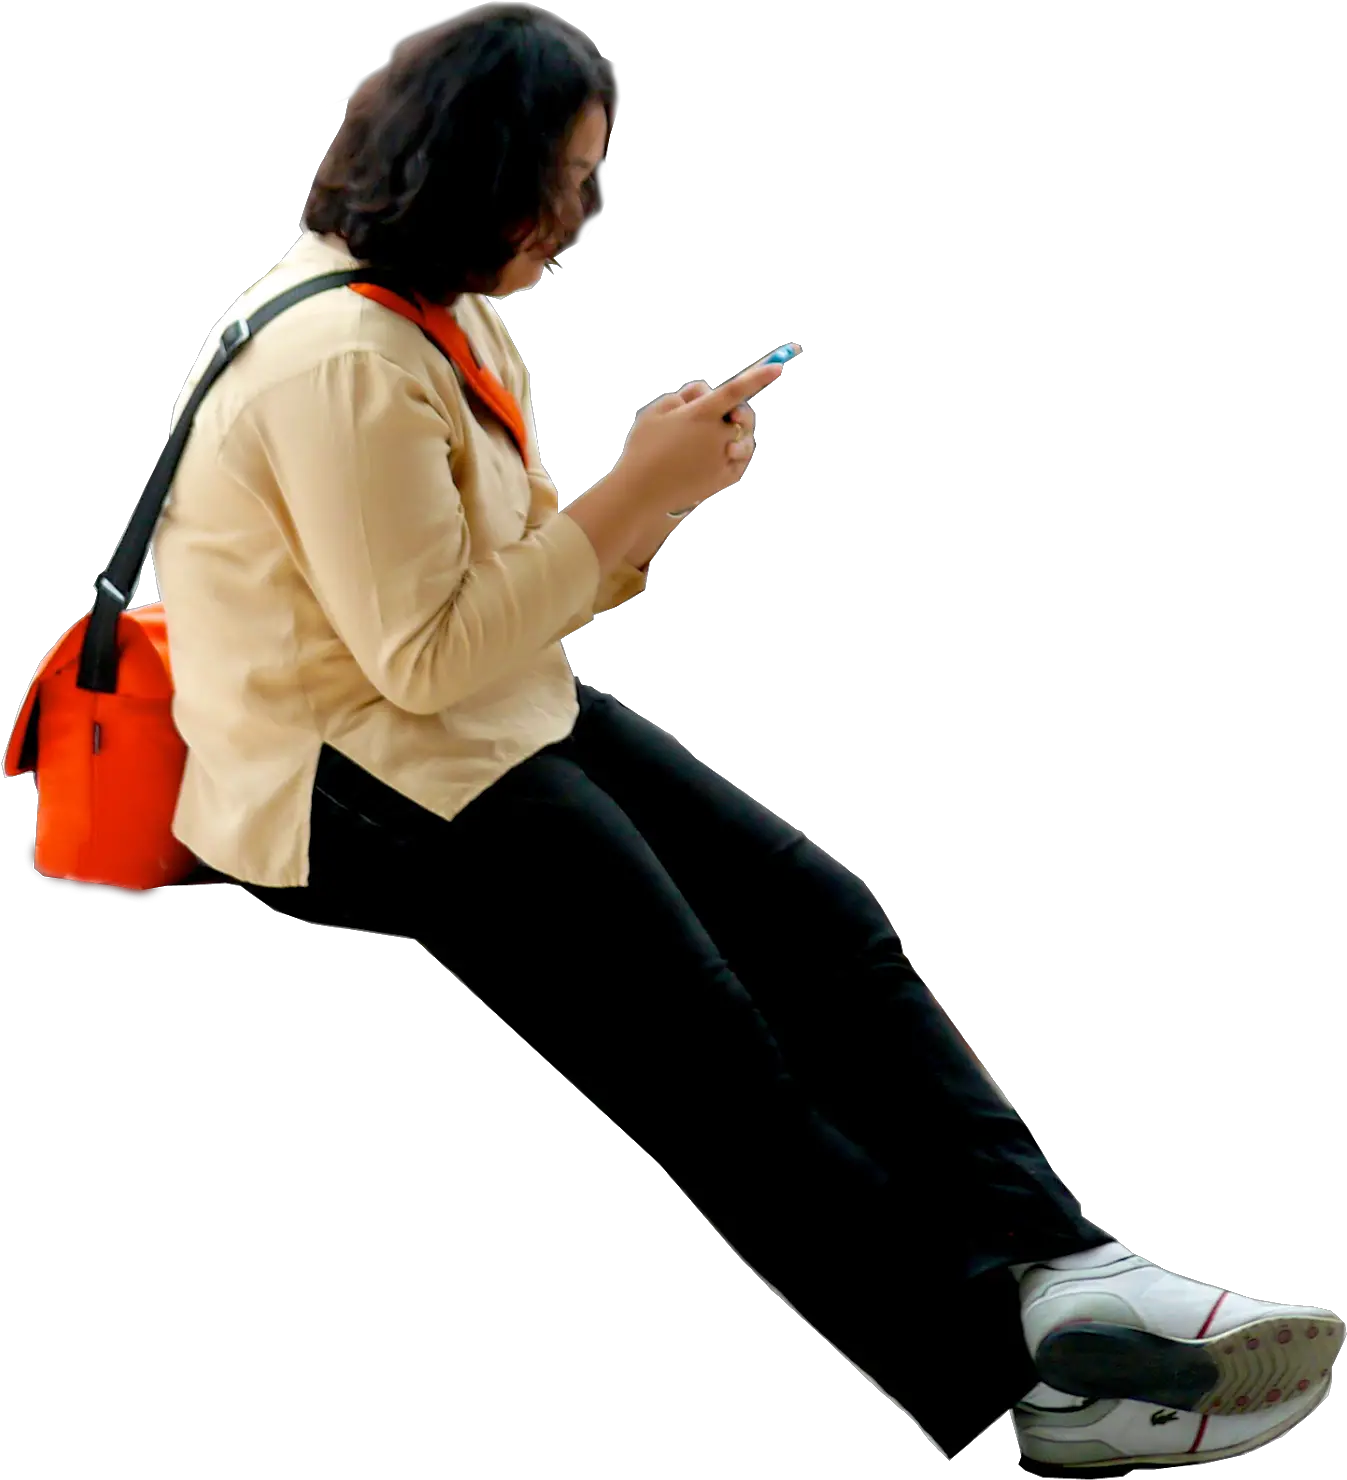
1163	1415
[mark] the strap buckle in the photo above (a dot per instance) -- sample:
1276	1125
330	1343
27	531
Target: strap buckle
235	334
119	597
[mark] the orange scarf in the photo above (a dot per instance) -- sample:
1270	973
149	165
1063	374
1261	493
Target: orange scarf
446	331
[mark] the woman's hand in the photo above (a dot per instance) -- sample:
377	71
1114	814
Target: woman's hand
742	416
680	451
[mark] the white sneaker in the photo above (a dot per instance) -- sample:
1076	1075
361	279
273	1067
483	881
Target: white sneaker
1061	1435
1125	1328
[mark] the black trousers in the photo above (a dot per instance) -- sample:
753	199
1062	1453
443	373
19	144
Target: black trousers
739	1004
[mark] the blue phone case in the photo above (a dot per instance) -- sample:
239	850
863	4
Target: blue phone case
777	357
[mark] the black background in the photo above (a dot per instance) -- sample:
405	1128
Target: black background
1019	611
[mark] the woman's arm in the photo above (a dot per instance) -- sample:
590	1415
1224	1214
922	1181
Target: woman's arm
653	534
357	457
611	518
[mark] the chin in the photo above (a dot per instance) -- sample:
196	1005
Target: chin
515	279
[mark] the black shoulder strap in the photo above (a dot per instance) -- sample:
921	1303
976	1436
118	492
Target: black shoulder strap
99	654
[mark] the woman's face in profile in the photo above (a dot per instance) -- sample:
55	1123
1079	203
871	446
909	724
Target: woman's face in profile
583	153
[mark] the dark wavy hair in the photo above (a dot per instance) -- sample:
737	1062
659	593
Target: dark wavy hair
451	153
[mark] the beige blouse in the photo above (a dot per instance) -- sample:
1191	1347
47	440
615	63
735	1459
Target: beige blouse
350	556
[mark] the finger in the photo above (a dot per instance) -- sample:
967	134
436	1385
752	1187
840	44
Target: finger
693	390
744	416
726	396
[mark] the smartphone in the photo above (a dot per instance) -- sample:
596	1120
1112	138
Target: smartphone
777	357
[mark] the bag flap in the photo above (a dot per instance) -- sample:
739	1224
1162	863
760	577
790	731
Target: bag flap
143	645
21	753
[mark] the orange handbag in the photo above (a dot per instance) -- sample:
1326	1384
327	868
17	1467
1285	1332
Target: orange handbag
96	727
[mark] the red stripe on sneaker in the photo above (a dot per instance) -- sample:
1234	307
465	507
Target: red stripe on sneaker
1212	1316
1201	1429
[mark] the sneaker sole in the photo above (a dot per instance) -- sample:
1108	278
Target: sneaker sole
1059	1451
1257	1365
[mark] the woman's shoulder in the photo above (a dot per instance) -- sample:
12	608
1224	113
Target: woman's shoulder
329	325
333	321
